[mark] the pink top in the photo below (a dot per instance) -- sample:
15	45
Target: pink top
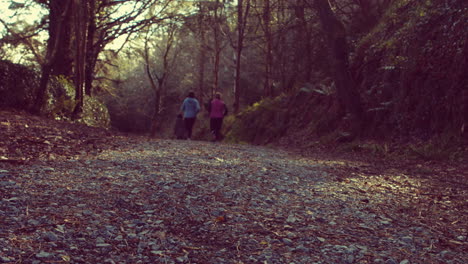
217	108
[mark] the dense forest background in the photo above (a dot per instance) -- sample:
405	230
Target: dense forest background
295	72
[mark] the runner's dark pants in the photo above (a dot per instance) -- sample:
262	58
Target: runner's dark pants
189	125
215	127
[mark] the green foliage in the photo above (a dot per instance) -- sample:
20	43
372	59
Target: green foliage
260	123
411	69
60	98
306	113
95	113
18	86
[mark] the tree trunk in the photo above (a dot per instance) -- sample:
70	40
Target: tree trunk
58	44
299	48
268	91
202	57
41	93
217	51
159	88
156	115
91	52
60	33
80	51
241	24
156	89
336	36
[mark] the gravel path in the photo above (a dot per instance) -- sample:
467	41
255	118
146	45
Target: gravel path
166	201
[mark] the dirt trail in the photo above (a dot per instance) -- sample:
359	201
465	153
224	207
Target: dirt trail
72	194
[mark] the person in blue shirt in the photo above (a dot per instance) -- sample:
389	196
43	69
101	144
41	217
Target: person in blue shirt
190	108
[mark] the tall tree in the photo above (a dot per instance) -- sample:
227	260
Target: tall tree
242	15
202	52
216	27
80	30
345	85
22	33
104	26
300	44
91	51
56	59
80	10
267	87
163	51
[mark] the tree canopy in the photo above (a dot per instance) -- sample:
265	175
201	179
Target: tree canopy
357	52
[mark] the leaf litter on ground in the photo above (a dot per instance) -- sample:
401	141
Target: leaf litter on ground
93	196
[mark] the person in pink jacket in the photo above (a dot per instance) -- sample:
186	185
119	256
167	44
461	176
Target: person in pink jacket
218	110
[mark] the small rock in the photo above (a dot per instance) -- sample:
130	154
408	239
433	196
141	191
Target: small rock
110	228
302	248
287	241
43	254
5	260
349	259
103	245
7	183
404	261
321	239
132	236
182	259
407	239
341	248
87	213
33	222
50	237
291	219
218	212
12	199
352	249
445	254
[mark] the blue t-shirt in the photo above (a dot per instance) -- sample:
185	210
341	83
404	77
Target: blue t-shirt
190	107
